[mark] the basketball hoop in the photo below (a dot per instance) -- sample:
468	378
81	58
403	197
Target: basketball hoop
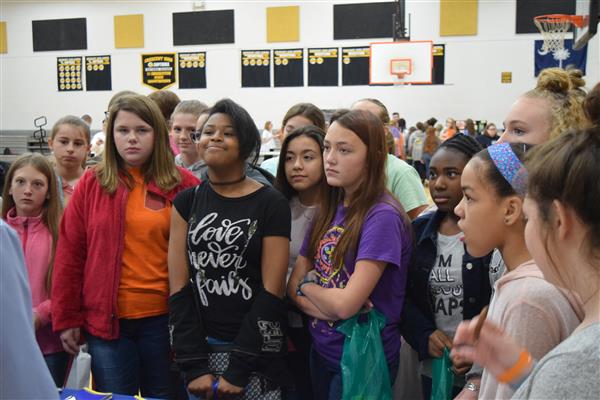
400	63
400	67
554	28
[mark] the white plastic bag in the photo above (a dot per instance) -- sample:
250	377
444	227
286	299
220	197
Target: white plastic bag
79	375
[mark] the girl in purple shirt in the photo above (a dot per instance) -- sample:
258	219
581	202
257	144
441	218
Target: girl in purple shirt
356	253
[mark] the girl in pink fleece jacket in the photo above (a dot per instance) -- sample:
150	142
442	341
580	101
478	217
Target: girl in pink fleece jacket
32	207
533	311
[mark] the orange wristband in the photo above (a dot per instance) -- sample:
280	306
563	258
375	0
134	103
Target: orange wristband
517	369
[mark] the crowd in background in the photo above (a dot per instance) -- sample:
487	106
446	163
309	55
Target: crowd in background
192	271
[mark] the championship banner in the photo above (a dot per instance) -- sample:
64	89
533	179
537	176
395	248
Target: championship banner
323	67
98	73
158	70
192	70
68	74
256	68
288	69
439	64
355	66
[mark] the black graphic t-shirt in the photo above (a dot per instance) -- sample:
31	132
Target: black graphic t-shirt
224	245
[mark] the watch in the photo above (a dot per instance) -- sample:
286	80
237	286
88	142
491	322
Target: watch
472	387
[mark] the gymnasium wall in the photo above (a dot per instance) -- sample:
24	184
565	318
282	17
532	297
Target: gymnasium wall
473	64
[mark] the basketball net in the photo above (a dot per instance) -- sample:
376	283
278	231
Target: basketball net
554	28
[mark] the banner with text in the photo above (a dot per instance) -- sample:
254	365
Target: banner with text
158	70
192	70
256	70
288	67
68	74
323	67
355	65
98	73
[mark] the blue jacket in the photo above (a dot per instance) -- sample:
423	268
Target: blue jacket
418	322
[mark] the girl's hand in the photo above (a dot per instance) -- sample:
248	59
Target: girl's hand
437	341
202	386
494	350
70	340
227	390
460	366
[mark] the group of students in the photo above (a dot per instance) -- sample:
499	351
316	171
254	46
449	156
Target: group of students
197	259
478	204
420	142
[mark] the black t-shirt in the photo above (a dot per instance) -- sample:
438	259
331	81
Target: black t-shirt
224	245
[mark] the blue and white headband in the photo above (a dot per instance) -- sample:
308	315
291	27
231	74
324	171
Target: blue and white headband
509	166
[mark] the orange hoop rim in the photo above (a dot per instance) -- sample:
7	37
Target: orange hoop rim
401	74
577	20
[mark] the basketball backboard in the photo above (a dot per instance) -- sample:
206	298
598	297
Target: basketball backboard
401	62
589	10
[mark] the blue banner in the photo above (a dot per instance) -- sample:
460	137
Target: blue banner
560	58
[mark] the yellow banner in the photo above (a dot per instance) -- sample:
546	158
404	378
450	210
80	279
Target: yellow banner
458	17
283	24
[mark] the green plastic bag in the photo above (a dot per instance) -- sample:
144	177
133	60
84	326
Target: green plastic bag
365	374
442	377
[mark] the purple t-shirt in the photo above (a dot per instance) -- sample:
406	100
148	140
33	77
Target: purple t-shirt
383	237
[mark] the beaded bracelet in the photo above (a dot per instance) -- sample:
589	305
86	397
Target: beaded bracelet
299	287
522	364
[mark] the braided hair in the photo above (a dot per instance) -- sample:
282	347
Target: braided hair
463	144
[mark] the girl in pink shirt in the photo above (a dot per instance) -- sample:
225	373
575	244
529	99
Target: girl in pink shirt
32	207
563	236
535	312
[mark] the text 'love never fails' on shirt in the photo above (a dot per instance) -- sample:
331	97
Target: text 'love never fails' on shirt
224	244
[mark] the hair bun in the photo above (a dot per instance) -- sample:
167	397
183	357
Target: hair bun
555	80
576	77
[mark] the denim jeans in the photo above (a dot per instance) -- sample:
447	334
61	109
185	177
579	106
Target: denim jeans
138	360
427	161
326	377
57	365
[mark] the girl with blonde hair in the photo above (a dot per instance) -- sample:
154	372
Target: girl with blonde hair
110	278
